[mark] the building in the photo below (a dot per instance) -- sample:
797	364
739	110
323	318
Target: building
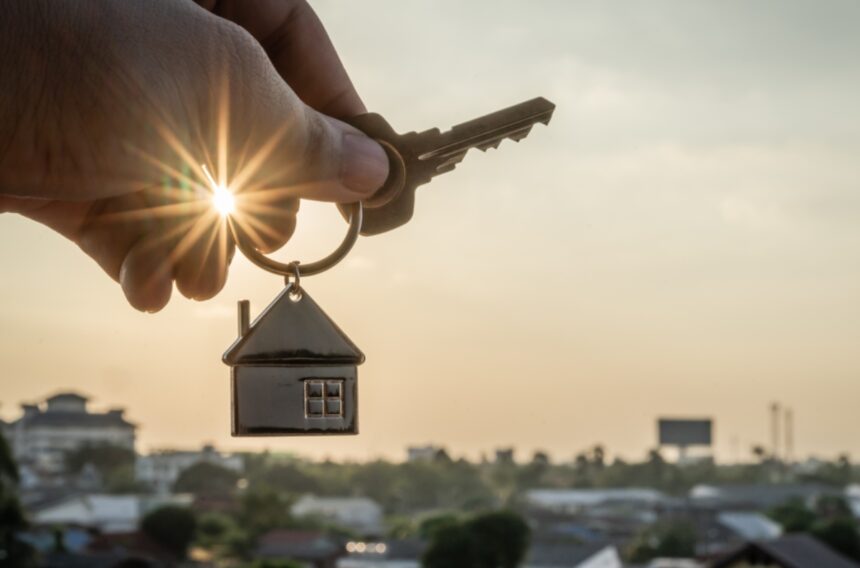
161	469
105	513
293	371
757	497
427	453
358	514
572	501
790	551
312	549
46	432
572	555
387	554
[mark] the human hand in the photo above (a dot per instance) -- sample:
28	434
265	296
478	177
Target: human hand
114	105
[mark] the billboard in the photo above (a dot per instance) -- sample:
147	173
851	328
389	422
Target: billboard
684	432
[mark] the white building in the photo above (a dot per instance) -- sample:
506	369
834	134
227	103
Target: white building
572	501
749	525
359	514
46	432
161	469
106	513
423	453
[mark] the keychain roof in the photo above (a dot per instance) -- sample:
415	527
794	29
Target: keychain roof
293	331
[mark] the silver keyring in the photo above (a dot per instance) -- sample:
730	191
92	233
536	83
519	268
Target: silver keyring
356	214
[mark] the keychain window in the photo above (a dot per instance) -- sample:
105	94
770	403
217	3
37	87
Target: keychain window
324	398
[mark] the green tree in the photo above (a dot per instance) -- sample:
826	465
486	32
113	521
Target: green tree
172	527
431	525
273	564
671	540
499	539
221	535
492	540
122	480
204	478
450	547
290	477
106	458
840	534
262	508
14	552
793	516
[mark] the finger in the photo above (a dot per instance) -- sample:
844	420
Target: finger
287	144
202	271
146	276
111	227
268	218
300	49
339	163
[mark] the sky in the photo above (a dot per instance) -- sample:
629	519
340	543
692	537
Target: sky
680	241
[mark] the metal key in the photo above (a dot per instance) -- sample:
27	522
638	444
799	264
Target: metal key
416	158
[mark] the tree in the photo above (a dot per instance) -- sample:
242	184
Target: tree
207	479
499	539
431	525
793	515
450	547
840	534
122	480
220	534
289	477
107	458
172	527
14	551
273	564
262	508
492	540
669	540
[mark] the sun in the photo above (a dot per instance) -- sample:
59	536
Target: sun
222	198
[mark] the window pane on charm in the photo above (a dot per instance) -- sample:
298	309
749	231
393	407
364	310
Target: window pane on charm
314	389
332	408
315	408
333	389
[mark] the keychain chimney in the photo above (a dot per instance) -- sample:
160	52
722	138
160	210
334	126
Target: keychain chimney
244	317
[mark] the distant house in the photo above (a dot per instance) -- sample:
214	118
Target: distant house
726	530
161	469
573	501
572	555
749	526
314	549
423	453
388	554
361	515
105	513
46	432
790	551
756	497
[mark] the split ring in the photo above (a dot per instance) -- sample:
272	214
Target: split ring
294	269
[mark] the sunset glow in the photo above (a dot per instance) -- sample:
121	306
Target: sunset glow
222	198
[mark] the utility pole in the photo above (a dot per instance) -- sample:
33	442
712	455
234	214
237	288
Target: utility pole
789	435
774	430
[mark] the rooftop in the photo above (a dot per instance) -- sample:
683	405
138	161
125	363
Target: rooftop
790	551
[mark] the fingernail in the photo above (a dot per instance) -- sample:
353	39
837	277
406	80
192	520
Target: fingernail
364	166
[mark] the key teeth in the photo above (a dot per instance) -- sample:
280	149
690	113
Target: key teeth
519	135
488	145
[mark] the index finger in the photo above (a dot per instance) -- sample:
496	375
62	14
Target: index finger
299	48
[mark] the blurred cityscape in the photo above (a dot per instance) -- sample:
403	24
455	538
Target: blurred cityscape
75	492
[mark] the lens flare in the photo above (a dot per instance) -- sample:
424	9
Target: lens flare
222	198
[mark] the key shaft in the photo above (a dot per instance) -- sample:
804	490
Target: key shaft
416	158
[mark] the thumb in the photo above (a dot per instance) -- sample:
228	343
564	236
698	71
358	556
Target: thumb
340	163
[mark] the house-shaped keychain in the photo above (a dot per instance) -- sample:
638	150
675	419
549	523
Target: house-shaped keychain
293	371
